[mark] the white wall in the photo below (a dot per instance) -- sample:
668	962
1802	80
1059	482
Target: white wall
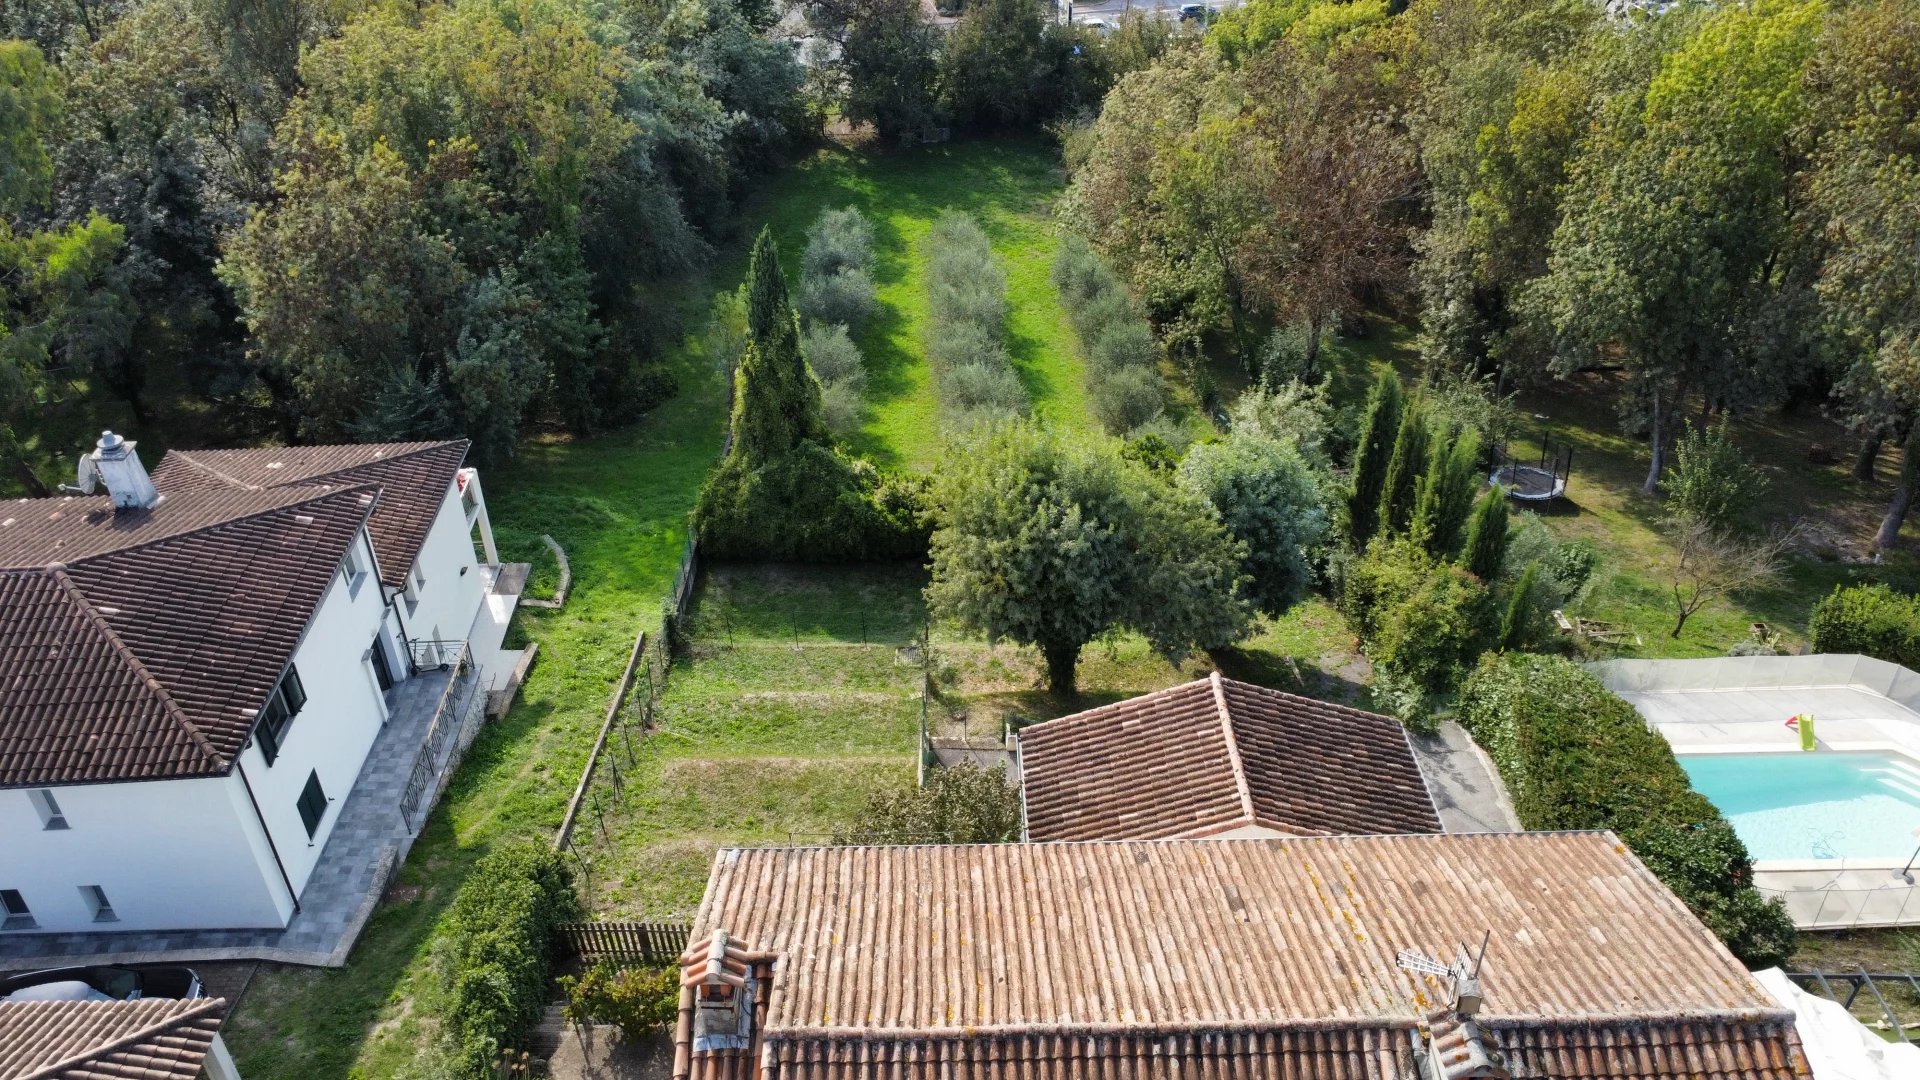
169	853
187	854
332	734
454	590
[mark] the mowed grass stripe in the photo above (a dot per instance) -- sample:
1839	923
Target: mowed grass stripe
1008	185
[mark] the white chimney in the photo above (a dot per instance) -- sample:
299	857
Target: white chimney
115	463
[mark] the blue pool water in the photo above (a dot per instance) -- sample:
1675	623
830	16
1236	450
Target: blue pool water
1814	806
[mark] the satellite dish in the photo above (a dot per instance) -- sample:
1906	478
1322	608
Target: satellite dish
86	476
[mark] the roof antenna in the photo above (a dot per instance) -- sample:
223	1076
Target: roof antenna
1457	1047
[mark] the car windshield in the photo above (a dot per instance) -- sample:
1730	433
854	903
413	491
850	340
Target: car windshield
67	990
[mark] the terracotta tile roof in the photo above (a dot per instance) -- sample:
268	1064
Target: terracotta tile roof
1230	958
413	478
148	657
36	532
1217	754
148	1039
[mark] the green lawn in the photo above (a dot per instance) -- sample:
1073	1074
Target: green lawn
1008	185
619	506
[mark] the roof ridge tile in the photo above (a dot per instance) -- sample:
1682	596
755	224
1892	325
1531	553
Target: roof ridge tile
1233	747
211	471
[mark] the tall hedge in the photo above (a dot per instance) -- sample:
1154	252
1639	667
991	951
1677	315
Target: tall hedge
495	950
1869	619
1576	756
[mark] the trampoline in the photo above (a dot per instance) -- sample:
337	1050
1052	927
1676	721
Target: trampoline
1538	481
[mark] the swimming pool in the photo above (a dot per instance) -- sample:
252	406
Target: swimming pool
1814	806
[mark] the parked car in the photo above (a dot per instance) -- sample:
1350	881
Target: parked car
102	984
1189	12
1098	26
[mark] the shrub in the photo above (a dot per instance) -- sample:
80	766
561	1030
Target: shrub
839	240
812	504
1111	307
1389	572
1123	376
1269	500
1421	621
833	356
495	949
1128	398
967	301
841	408
986	386
1576	756
964	804
1119	347
956	346
635	1000
1711	481
1869	619
1292	413
844	296
1287	356
1079	274
1424	644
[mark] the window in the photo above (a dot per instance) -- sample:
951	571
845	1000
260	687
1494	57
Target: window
415	582
313	804
50	815
354	568
14	907
97	902
282	706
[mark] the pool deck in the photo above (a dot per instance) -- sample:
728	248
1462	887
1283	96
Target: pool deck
1740	705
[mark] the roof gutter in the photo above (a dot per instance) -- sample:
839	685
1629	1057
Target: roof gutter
262	818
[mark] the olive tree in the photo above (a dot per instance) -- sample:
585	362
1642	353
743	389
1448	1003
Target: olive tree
1054	544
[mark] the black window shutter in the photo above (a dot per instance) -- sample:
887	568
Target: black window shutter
295	692
313	804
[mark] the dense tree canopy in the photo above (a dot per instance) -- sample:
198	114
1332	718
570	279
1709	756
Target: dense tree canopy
346	219
1716	201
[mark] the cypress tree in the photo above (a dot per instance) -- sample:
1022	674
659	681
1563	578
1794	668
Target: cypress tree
1404	470
1384	406
1444	497
1513	625
1486	546
776	400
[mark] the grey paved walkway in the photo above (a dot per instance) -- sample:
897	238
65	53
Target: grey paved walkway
1466	790
368	841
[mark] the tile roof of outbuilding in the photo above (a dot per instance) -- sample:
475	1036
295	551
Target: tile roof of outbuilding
1217	754
413	478
145	1039
145	651
1268	958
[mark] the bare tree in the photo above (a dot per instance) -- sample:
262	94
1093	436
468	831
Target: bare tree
1709	563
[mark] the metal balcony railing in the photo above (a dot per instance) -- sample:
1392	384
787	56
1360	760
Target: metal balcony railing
456	720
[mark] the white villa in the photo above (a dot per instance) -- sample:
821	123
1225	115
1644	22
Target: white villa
196	665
